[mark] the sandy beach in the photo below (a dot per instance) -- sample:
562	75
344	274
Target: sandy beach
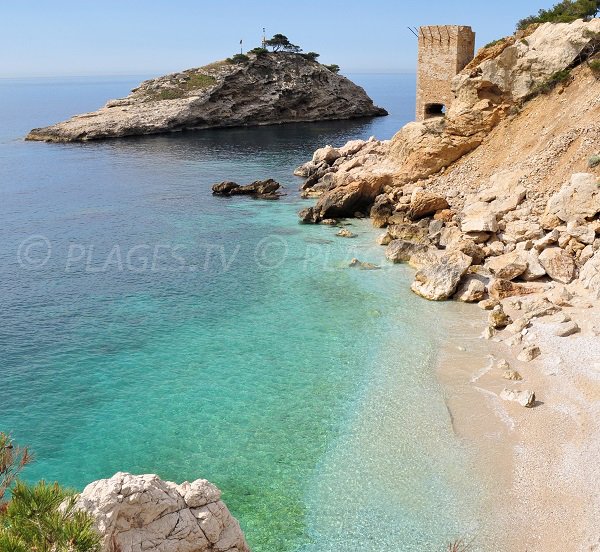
539	465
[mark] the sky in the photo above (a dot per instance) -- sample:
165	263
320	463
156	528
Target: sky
147	37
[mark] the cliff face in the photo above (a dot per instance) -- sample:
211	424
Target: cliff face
269	89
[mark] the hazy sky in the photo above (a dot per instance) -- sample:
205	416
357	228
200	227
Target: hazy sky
92	37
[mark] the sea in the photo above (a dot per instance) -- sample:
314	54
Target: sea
150	327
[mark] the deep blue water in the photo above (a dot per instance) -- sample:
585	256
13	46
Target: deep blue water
151	327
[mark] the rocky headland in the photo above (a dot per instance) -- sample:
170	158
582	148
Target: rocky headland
498	203
270	88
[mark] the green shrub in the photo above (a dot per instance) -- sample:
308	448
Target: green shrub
594	161
169	94
563	12
550	84
43	518
595	66
311	56
199	80
333	68
493	43
259	52
238	58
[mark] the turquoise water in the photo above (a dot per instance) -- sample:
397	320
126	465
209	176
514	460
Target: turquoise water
150	327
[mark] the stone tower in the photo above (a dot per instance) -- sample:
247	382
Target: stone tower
444	51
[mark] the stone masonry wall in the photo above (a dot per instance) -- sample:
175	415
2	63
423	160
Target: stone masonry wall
444	51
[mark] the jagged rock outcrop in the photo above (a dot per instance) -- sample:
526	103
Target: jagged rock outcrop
262	189
142	512
268	89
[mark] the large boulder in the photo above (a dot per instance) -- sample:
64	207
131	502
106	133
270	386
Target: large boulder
479	217
400	251
141	512
439	280
558	264
578	200
423	204
590	275
508	266
328	155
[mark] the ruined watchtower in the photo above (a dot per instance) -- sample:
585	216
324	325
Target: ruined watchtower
444	51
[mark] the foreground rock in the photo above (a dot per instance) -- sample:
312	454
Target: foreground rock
263	189
268	89
142	512
438	281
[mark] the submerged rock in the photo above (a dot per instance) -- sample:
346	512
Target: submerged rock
268	89
142	512
362	265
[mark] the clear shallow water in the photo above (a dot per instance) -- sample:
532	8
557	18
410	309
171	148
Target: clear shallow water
190	336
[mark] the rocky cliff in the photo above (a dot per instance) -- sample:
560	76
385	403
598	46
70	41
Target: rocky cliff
271	88
142	512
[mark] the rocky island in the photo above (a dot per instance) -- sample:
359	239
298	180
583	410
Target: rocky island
259	89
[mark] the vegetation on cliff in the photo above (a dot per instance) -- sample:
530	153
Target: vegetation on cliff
563	12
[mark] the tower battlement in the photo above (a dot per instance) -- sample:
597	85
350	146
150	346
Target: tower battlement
444	51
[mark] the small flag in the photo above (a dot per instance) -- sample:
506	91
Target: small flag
241	41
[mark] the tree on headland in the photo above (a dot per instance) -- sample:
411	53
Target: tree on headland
563	12
281	43
334	68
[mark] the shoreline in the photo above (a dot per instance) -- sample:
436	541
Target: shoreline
538	464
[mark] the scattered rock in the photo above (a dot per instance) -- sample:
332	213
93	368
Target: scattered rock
524	398
512	375
345	233
566	329
488	304
355	263
529	353
580	199
498	318
259	188
501	289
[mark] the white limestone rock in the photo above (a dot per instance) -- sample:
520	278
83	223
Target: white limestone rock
142	512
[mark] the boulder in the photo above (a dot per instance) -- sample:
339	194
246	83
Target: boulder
470	248
577	200
424	257
345	233
409	232
438	281
479	217
351	147
534	270
529	353
558	264
356	195
423	204
567	328
400	251
381	211
521	230
524	398
471	290
328	155
224	188
512	375
501	289
583	233
508	266
590	275
142	512
497	318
